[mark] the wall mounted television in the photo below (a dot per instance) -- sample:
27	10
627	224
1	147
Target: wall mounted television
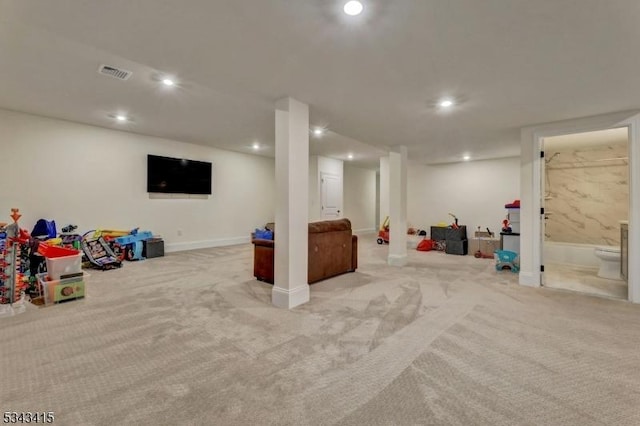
178	176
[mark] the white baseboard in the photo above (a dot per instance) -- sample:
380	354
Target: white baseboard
397	259
529	279
193	245
161	196
364	231
290	298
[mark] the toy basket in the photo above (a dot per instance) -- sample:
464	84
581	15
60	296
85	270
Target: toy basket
61	261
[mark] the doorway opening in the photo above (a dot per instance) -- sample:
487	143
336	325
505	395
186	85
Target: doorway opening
585	201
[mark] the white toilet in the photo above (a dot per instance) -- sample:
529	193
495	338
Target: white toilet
609	262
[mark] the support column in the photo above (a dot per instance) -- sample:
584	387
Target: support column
292	204
397	206
384	189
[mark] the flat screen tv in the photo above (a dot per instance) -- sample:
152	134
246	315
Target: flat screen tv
178	176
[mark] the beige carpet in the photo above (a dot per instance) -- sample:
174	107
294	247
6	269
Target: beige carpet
192	339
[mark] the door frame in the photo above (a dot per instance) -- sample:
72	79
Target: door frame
543	191
531	185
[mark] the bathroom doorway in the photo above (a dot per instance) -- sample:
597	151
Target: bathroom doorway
585	197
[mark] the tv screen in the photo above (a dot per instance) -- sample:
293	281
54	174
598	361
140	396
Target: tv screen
178	176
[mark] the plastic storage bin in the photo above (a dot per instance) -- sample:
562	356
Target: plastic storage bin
56	291
510	242
61	261
514	220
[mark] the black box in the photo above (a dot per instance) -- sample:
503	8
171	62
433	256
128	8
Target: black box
153	247
457	247
438	233
456	234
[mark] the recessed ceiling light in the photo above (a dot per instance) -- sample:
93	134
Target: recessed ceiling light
350	156
353	8
256	146
168	82
318	131
121	117
446	103
466	158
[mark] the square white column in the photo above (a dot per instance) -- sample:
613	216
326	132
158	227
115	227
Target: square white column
397	206
292	204
384	188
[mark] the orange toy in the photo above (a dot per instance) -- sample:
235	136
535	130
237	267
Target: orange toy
15	215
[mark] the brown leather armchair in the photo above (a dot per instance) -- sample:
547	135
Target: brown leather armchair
333	250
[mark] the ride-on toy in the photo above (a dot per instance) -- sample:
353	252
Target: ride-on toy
383	233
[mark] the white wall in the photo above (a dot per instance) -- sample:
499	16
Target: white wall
96	178
360	198
474	191
330	165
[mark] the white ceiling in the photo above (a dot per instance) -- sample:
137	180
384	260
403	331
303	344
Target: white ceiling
372	80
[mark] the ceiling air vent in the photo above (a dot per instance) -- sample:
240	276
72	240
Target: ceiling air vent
114	72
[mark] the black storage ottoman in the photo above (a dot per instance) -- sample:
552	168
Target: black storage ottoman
438	233
460	247
456	234
153	247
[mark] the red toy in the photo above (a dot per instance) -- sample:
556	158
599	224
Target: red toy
383	233
454	225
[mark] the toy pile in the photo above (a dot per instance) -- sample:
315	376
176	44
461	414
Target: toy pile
46	267
102	248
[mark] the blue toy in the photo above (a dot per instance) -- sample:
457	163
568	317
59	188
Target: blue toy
263	234
506	259
133	243
45	228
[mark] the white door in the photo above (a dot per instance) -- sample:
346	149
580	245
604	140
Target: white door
331	196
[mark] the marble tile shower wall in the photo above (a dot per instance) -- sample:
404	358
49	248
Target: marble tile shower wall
586	196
